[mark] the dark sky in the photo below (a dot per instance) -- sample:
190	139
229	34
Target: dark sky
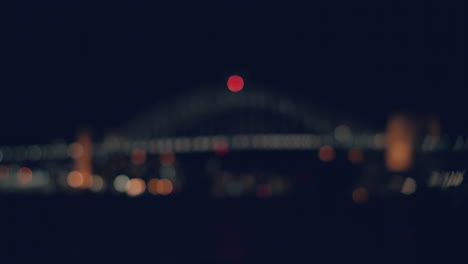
101	63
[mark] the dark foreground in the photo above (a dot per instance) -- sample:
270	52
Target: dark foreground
85	229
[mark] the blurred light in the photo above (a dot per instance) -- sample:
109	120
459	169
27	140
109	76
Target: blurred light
138	156
98	184
75	150
135	187
221	148
234	189
120	183
263	191
3	173
19	153
41	179
400	136
429	143
7	153
409	186
360	195
446	179
182	145
379	140
459	180
153	186
167	158
1	156
167	172
164	187
75	179
24	175
82	155
355	156
34	153
434	179
326	153
235	83
343	133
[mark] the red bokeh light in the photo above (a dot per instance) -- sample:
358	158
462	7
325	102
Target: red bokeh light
167	158
221	148
138	156
326	153
235	83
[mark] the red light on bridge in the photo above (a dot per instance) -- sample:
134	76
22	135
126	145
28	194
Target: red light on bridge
235	83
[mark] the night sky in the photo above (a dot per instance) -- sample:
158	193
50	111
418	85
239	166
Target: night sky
74	64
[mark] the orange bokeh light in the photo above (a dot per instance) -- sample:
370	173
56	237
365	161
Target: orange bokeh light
75	179
153	186
135	187
164	187
400	139
25	175
360	195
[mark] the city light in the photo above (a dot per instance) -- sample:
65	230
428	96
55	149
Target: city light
167	158
25	175
138	157
343	133
135	187
4	173
164	187
153	186
446	179
409	186
326	153
360	195
120	183
400	137
98	184
75	150
235	83
34	152
75	179
221	148
167	172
